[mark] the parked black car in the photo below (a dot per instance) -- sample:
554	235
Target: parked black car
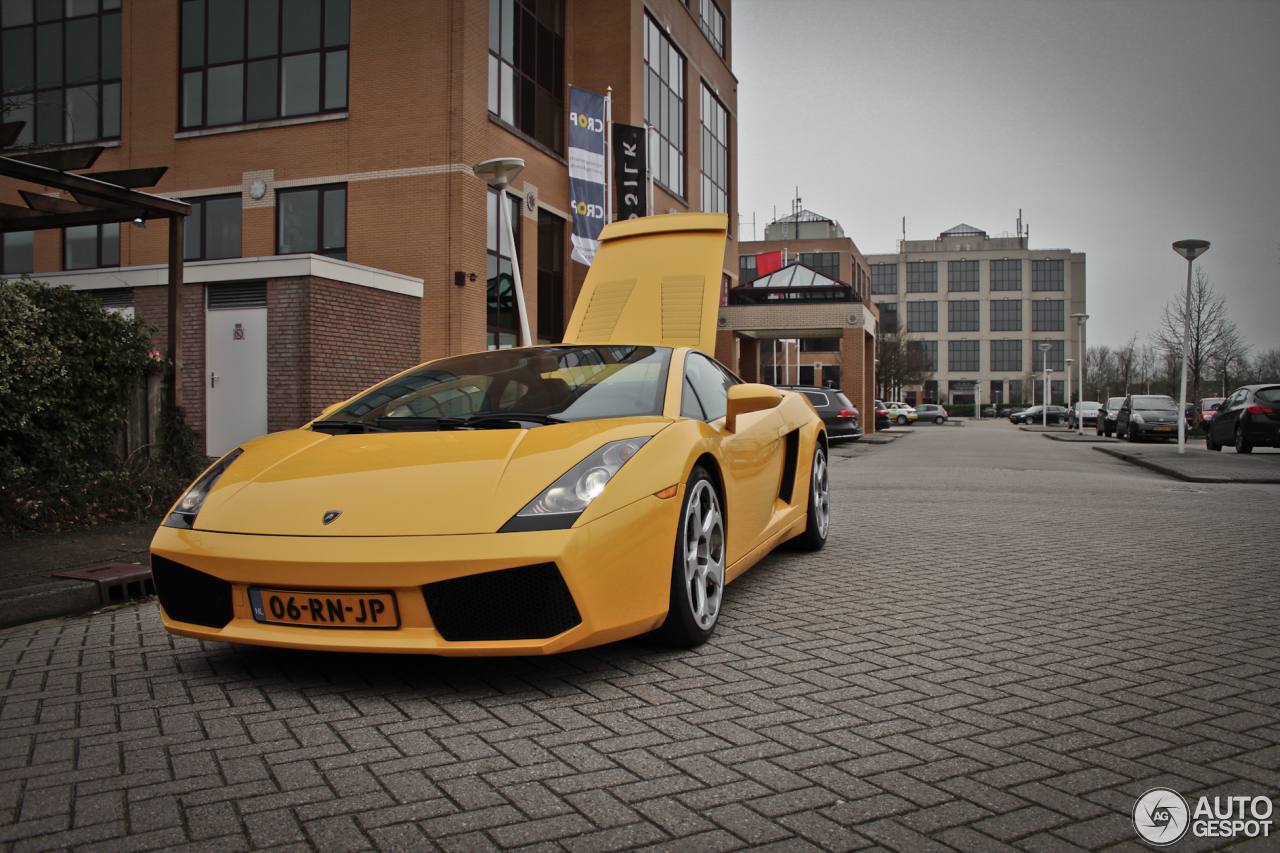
1147	416
989	412
1036	415
840	415
882	415
1107	416
1249	418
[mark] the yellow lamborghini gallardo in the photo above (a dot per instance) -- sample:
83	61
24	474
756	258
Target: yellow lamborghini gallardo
517	501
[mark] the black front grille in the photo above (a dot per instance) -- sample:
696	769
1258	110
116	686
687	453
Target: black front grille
526	603
191	596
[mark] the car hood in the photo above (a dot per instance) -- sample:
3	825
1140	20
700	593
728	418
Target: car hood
400	483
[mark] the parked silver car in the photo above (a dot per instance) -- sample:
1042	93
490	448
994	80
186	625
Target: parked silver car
930	412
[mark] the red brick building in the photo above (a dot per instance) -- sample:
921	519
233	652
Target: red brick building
327	150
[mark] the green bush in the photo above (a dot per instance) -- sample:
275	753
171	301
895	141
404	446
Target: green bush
67	367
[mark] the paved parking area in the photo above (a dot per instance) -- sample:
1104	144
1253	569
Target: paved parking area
1007	640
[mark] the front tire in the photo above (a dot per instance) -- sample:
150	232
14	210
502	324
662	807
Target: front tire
815	532
1133	434
1209	442
697	570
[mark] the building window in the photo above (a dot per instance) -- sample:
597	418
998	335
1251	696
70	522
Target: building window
61	69
312	220
711	19
746	269
1006	315
1048	315
922	277
997	392
17	253
550	278
715	153
964	316
1047	275
1006	275
928	349
86	247
922	316
884	278
213	228
664	106
526	67
257	60
888	315
1006	355
1015	392
931	391
962	356
827	263
502	320
819	345
1057	397
962	276
1057	355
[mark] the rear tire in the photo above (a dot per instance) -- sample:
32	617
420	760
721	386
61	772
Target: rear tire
815	532
697	570
902	420
939	420
1242	443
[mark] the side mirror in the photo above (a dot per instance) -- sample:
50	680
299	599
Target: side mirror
749	397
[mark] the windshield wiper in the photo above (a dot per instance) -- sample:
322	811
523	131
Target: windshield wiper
493	419
348	427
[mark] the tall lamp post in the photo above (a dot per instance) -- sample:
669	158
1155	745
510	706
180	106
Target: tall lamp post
1045	346
499	174
1189	249
1069	362
1080	319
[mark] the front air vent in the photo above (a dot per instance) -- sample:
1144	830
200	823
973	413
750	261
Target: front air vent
525	603
191	596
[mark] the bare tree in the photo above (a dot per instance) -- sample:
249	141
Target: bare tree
1264	368
1126	358
1098	364
1212	331
1147	363
902	361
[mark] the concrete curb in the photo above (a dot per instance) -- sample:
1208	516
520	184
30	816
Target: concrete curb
1087	438
47	601
1177	473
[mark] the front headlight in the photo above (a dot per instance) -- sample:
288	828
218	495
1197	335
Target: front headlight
1136	418
563	501
188	507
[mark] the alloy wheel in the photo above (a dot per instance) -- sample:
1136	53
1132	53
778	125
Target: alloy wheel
704	554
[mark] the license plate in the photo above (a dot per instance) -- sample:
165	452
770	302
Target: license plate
318	609
1164	429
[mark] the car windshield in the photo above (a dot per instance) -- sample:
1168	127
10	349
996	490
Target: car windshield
1115	403
1090	407
536	384
1154	404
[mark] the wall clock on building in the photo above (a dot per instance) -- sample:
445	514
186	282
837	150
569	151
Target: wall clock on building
257	188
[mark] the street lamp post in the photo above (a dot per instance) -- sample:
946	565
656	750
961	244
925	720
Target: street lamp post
499	174
1069	362
1189	249
1045	346
1080	321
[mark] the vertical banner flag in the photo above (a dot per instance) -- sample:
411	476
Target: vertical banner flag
629	170
586	171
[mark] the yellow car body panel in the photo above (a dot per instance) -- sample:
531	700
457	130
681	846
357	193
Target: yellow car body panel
655	281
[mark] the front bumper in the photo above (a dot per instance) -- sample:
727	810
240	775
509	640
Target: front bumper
1156	430
617	569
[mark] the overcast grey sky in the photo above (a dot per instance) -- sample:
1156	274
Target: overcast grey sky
1117	127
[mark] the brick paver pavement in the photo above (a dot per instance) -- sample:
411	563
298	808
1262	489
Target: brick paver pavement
1006	641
